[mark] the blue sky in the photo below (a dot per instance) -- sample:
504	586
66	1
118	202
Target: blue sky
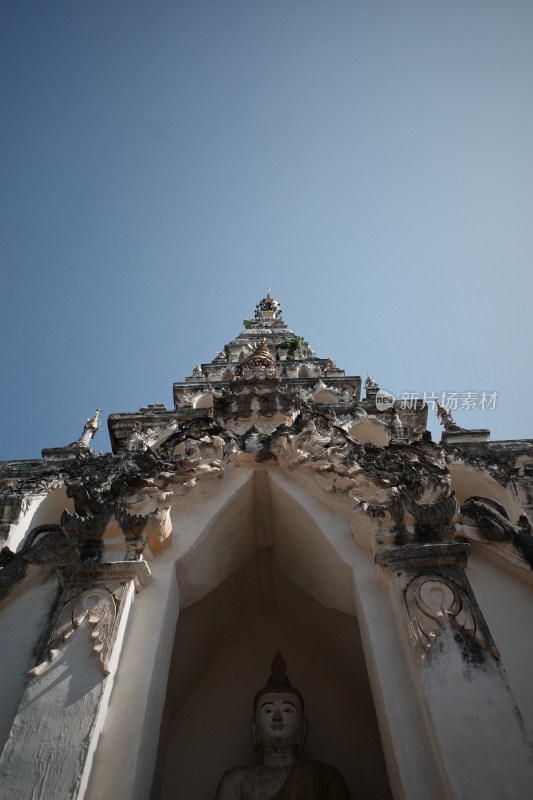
164	162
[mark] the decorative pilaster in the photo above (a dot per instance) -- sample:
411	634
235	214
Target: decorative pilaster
457	667
434	591
52	742
96	593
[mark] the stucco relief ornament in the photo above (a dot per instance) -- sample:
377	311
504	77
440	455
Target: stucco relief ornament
258	362
205	455
101	607
114	529
432	602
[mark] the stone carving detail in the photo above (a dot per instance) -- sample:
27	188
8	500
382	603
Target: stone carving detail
395	426
433	601
100	607
485	519
114	528
102	604
433	520
406	491
259	362
151	437
489	517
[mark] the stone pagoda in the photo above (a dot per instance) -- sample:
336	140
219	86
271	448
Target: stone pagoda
278	506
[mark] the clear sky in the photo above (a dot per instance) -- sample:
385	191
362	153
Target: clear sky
164	162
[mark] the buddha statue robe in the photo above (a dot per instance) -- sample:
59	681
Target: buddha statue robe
313	780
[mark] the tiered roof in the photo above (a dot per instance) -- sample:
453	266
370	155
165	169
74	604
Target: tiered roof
263	377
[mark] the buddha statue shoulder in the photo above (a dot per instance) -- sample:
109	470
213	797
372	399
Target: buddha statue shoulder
279	730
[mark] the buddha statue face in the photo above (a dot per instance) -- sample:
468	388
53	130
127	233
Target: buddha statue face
278	722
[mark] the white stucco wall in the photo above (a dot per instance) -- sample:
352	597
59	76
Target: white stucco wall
505	594
22	619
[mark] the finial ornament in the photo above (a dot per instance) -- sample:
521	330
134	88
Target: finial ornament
268	308
445	418
93	422
90	427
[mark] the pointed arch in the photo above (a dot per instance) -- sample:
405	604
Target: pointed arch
248	555
270	569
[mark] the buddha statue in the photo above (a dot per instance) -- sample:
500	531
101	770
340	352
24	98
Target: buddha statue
279	728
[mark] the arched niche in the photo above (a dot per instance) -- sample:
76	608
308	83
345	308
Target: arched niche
40	510
470	482
294	593
325	397
204	401
368	430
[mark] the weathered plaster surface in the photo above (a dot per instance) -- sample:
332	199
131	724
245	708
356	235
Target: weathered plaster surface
21	623
468	693
413	766
131	729
505	594
62	712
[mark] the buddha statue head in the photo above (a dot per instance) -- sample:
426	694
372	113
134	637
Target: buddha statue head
278	722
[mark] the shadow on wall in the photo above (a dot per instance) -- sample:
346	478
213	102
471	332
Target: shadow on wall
40	510
469	482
